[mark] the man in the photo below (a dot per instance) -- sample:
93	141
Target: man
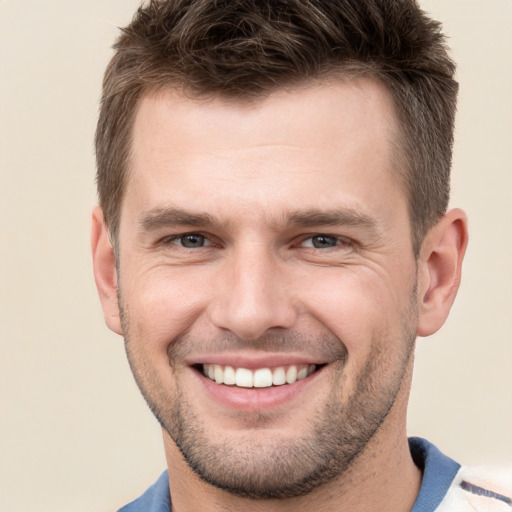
272	236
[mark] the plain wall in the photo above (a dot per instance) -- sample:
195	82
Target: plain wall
74	433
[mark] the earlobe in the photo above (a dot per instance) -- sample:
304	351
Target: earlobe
105	273
440	265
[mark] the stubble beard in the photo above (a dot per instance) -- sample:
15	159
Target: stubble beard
279	468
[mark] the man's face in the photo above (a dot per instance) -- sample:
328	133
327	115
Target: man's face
268	242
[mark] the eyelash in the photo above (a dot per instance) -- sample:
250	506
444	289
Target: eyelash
169	240
340	240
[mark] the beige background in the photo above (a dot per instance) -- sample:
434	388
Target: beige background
74	433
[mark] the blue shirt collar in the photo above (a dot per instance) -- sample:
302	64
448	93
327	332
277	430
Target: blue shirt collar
438	474
155	499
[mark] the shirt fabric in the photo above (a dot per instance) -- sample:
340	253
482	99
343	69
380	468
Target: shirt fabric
445	487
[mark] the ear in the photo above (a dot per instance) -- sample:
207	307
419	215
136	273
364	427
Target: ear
439	266
105	273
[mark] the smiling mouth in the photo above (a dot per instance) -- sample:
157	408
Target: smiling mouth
258	378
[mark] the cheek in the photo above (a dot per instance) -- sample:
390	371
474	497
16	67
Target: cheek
161	303
358	306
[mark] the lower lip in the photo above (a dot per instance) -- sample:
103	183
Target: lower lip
256	399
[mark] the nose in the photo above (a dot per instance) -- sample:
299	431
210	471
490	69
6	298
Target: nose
252	295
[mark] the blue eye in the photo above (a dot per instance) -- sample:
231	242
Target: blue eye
192	241
321	242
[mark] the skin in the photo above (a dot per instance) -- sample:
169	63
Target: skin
259	181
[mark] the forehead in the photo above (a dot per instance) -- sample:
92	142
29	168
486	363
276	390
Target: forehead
330	139
323	109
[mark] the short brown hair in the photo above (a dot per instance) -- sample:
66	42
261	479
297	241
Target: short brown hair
242	49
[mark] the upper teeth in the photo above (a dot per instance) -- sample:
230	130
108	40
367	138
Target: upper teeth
260	378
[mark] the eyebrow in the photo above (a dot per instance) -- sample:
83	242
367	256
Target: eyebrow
159	218
337	217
